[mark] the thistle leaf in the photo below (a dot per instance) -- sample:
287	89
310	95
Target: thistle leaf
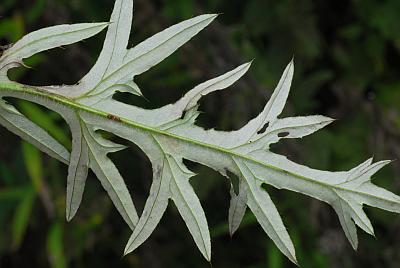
169	134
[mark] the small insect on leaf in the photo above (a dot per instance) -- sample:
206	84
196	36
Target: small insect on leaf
114	118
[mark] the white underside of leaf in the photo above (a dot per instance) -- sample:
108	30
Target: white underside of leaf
154	208
237	206
78	168
169	134
189	206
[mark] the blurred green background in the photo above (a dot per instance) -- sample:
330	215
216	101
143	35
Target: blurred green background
347	56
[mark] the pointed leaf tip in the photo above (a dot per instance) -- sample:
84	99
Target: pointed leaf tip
103	24
70	214
248	64
126	251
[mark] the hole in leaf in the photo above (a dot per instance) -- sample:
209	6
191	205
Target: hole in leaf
263	129
283	134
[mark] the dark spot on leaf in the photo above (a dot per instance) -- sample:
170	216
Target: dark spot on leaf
263	129
157	173
283	134
183	115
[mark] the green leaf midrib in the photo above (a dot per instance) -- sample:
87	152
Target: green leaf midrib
38	92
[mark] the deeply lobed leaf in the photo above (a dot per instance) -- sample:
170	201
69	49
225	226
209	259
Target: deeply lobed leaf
168	135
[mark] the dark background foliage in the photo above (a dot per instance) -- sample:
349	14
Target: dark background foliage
347	56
